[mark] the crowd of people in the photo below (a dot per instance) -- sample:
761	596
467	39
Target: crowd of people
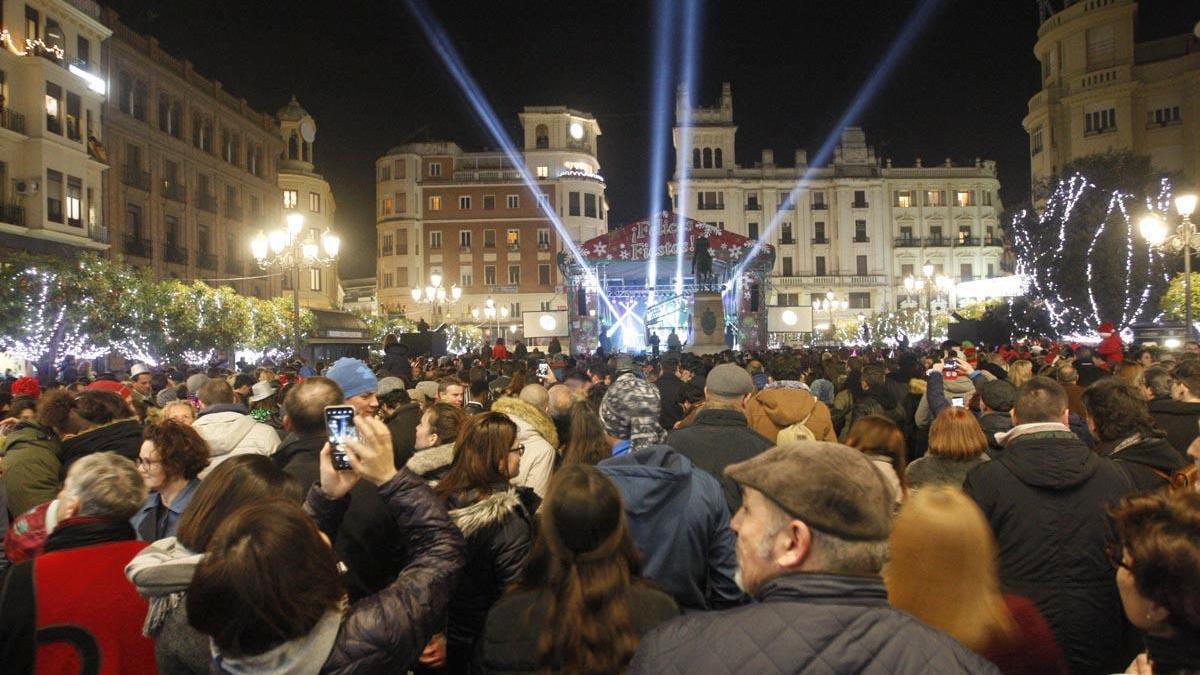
956	508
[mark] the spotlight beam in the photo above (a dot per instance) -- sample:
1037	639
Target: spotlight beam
920	17
660	122
689	50
452	60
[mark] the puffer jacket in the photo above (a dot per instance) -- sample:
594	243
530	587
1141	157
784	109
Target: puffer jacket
771	410
499	531
32	465
958	387
994	423
123	437
806	623
230	431
537	433
1045	497
1180	419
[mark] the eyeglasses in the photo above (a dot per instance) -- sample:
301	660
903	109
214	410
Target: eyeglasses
1116	556
520	450
144	463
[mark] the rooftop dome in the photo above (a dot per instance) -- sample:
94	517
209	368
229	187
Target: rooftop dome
292	112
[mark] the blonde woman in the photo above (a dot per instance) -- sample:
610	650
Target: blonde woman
943	571
1020	372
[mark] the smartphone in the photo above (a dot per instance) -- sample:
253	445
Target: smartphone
950	369
339	419
543	370
958	402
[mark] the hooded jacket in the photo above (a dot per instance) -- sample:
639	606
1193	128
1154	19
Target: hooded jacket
1143	459
1045	498
230	431
1181	421
771	410
123	437
679	520
537	433
32	465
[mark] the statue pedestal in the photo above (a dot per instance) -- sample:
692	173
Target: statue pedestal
708	324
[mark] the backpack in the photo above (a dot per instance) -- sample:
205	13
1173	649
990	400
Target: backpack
796	432
1181	480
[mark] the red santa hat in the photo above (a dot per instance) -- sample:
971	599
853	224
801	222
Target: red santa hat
26	386
1107	329
113	386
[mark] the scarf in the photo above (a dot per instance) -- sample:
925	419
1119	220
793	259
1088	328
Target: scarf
161	573
303	656
79	532
1006	437
1178	655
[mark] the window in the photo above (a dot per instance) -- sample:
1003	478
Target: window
1035	141
1101	47
388	280
1099	121
819	267
400	172
464	203
573	204
860	300
718	161
935	236
543	171
74	108
204	238
787	299
787	266
964	197
818	201
695	158
171	231
133	221
860	199
514	310
512	201
711	200
489	275
965	271
402	243
906	270
402	276
708	158
74	201
231	201
254	161
589	205
785	203
291	199
904	199
1162	117
785	234
543	200
819	233
385	244
987	197
314	279
752	230
543	239
906	233
489	202
464	240
513	238
435	240
314	202
752	201
489	239
860	265
860	231
466	276
543	275
545	306
541	137
385	172
435	169
53	108
991	270
935	198
435	203
54	195
386	207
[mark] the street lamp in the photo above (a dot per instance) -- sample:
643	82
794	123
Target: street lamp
831	304
491	312
436	295
929	285
1158	234
284	249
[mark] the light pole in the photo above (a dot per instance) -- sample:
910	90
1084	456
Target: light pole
1157	233
436	295
830	304
928	284
283	248
491	312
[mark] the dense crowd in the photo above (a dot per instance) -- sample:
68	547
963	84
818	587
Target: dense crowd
960	508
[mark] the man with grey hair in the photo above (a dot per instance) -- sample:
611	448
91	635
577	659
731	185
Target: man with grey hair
72	600
1156	383
812	537
561	398
536	396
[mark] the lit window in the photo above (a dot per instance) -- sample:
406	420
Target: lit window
291	198
314	279
543	172
314	202
904	199
386	206
514	238
963	198
435	203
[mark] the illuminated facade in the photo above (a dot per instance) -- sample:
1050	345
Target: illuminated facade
306	192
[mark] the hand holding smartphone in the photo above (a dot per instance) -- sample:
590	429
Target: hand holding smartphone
339	420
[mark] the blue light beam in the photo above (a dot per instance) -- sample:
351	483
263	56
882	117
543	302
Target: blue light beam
689	54
660	121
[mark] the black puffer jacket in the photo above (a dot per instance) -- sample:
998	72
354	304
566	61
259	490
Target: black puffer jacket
806	623
1045	497
499	531
1180	420
994	423
716	439
386	632
123	437
1143	459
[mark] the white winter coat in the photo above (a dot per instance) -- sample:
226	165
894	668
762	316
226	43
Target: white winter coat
230	433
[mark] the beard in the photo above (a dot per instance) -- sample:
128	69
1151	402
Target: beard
762	555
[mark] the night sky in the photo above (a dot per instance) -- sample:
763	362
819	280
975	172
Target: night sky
366	74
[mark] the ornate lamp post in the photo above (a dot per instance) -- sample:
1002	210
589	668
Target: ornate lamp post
831	304
929	285
436	295
284	249
491	311
1158	234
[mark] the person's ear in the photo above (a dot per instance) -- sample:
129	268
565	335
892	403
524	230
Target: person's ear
68	507
1066	417
793	545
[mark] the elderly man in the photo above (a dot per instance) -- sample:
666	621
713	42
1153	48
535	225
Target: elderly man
720	436
70	609
811	539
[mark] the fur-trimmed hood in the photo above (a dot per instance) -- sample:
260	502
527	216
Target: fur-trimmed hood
492	510
429	460
535	421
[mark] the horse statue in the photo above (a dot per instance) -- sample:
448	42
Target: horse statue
702	262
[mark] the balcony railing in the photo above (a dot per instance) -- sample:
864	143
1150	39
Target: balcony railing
175	254
820	206
937	241
820	240
12	120
543	246
206	261
175	191
98	233
787	240
13	214
968	241
858	205
992	241
137	246
862	240
831	280
514	246
206	202
753	206
908	242
133	176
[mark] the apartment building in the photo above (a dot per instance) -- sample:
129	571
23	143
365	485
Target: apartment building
470	218
52	145
855	226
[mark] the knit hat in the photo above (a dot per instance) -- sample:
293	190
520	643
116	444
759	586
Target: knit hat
26	386
165	396
389	384
195	382
831	487
999	395
110	385
629	411
729	380
353	376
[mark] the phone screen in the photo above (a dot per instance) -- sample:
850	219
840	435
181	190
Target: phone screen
543	370
339	419
957	402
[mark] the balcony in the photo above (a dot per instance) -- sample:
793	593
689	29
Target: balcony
137	246
514	246
968	241
858	205
992	241
937	241
753	206
206	260
175	254
864	239
133	176
98	233
543	246
12	120
837	280
464	248
175	191
820	240
233	211
820	206
786	240
13	214
206	202
711	206
908	242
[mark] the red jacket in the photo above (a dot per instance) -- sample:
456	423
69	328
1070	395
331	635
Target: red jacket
499	352
1111	349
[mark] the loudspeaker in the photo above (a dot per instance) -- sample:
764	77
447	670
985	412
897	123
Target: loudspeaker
581	302
754	297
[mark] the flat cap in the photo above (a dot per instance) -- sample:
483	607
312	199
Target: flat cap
729	379
831	487
999	395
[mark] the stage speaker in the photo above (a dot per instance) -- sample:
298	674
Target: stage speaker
581	302
754	297
424	344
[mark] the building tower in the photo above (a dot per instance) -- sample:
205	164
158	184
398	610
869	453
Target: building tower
306	192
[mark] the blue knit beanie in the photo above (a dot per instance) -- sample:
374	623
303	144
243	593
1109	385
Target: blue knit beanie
353	376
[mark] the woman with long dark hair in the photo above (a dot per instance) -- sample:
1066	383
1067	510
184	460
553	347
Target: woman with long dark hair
588	444
580	601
